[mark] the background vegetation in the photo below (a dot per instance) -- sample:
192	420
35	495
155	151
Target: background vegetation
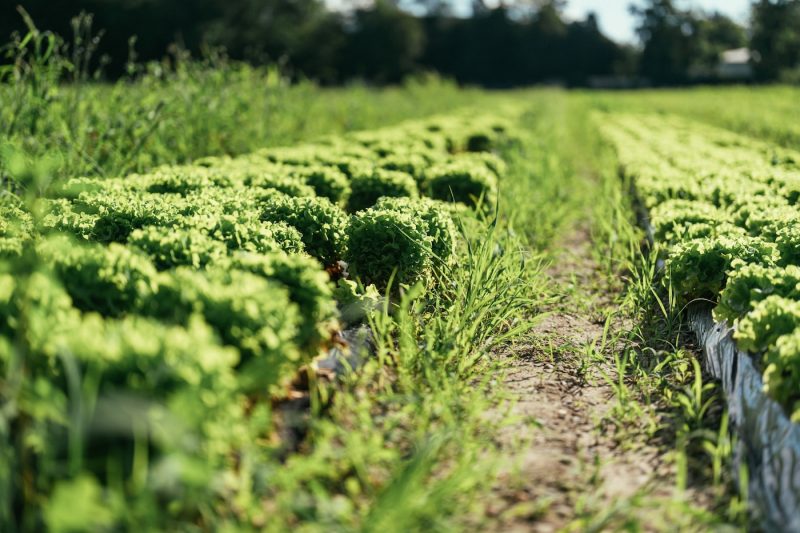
518	43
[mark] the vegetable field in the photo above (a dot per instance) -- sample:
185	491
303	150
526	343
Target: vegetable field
229	302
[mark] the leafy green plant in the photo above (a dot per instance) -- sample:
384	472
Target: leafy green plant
771	318
386	245
671	219
466	182
328	182
412	163
782	372
246	232
110	280
170	247
367	189
153	364
750	284
788	243
699	268
321	224
308	285
438	222
274	179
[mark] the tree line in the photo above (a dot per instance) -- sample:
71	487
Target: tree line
518	42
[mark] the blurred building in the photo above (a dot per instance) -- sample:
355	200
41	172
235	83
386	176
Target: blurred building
735	64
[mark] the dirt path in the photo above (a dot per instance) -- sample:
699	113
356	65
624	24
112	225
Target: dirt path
573	468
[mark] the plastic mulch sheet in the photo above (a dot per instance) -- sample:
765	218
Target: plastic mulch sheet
358	346
768	442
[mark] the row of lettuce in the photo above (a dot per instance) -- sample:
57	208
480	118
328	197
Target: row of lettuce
170	309
724	210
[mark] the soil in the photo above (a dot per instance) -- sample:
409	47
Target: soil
573	464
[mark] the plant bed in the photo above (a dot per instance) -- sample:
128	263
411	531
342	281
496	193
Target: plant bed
721	232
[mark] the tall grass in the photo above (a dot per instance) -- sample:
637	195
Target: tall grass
54	106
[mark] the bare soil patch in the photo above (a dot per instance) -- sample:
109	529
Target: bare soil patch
572	465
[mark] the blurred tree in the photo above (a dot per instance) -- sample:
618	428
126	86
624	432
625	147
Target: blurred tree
546	42
593	54
158	23
775	37
301	35
383	44
712	35
517	42
666	33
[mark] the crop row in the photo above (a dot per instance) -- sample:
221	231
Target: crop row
724	210
175	304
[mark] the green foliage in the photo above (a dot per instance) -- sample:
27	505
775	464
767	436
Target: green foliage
16	226
147	351
788	243
724	213
177	180
110	280
766	216
289	185
328	182
170	247
671	219
119	214
251	313
782	372
412	163
246	232
462	181
699	268
384	243
492	162
76	505
439	224
749	284
367	189
177	111
775	37
62	216
320	223
771	318
308	285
